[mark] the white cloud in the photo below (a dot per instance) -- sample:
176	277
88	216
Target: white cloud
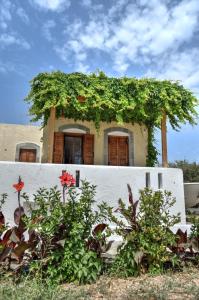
65	51
6	67
92	6
7	10
134	32
7	37
53	5
22	14
86	3
117	8
47	27
5	13
183	66
80	67
80	56
11	39
75	28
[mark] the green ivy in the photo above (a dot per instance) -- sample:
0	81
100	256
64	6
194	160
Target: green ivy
110	99
152	152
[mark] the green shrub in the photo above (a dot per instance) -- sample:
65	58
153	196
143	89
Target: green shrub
194	235
64	234
190	169
146	234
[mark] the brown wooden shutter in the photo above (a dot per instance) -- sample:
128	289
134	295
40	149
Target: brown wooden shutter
23	155
88	149
112	151
118	152
58	151
123	153
27	155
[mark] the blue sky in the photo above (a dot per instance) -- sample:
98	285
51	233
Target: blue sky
156	38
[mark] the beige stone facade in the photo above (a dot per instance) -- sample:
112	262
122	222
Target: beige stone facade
137	136
14	137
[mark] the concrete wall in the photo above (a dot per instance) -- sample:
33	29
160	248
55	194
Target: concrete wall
139	139
111	182
191	191
12	135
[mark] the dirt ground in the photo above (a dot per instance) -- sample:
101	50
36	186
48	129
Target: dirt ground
184	285
175	286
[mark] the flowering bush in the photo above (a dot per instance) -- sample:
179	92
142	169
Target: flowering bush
62	244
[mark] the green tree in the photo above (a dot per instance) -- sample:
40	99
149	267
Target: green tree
190	170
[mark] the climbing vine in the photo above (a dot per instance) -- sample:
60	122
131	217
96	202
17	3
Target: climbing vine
152	152
96	97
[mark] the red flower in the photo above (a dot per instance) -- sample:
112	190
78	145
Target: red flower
67	179
81	98
19	186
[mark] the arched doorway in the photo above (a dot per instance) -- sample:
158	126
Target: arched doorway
73	144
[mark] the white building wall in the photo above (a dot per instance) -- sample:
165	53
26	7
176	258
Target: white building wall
111	182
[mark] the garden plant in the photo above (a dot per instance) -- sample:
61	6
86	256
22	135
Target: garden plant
64	243
62	238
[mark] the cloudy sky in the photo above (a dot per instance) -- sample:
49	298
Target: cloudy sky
156	38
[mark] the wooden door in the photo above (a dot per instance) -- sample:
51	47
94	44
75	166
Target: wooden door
27	155
123	151
58	150
73	150
118	151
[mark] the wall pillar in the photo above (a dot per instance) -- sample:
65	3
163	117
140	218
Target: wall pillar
51	130
164	140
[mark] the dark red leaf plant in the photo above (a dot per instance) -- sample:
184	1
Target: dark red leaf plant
2	218
67	180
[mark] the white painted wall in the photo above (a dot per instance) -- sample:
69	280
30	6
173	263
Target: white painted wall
111	182
191	191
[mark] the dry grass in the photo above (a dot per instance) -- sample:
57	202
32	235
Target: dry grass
180	286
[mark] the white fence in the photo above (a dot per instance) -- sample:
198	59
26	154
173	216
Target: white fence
111	182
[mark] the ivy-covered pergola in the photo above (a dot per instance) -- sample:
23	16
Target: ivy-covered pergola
96	98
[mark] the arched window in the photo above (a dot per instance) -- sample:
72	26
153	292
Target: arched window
118	147
27	152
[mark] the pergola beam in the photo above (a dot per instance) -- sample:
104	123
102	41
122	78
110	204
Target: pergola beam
164	140
51	131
